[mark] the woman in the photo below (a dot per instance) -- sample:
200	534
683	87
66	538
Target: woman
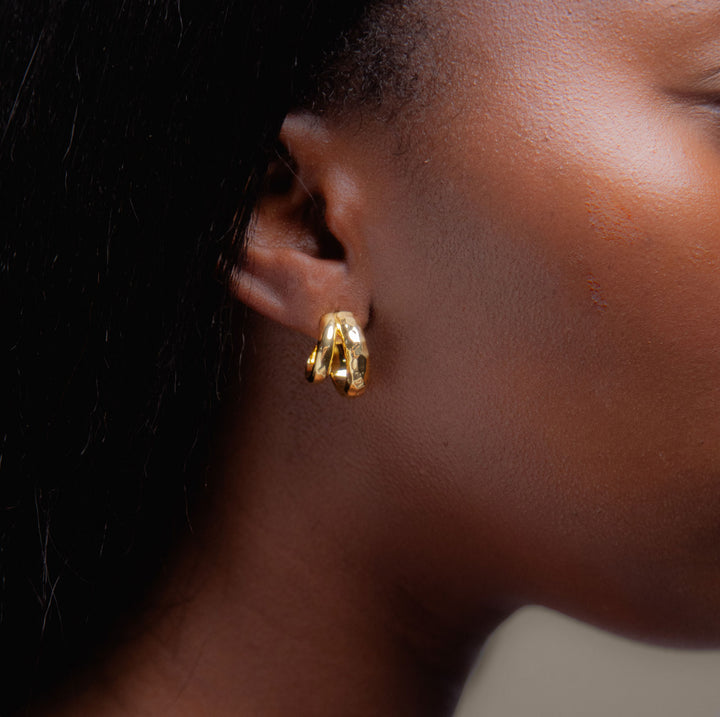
518	202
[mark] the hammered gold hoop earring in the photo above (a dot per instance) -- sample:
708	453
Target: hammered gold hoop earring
342	353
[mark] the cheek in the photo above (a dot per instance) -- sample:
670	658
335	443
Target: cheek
631	418
635	243
564	349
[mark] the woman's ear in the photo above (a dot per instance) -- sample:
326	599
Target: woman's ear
306	253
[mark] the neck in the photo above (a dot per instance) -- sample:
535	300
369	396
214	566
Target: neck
284	602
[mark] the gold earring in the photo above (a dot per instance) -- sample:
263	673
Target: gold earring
341	351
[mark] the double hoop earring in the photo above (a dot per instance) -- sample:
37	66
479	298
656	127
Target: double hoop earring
341	352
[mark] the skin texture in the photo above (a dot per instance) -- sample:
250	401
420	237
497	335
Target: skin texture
535	255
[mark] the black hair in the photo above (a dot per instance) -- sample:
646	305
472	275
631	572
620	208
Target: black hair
134	137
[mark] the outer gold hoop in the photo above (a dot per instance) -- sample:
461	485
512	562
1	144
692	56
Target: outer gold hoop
342	353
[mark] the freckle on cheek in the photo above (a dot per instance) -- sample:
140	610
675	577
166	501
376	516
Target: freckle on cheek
610	220
596	295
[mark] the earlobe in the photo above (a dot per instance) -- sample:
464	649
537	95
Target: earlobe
297	269
290	286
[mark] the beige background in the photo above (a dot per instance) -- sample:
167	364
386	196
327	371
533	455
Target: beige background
540	664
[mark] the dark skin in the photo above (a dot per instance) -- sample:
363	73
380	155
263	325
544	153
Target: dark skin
542	267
